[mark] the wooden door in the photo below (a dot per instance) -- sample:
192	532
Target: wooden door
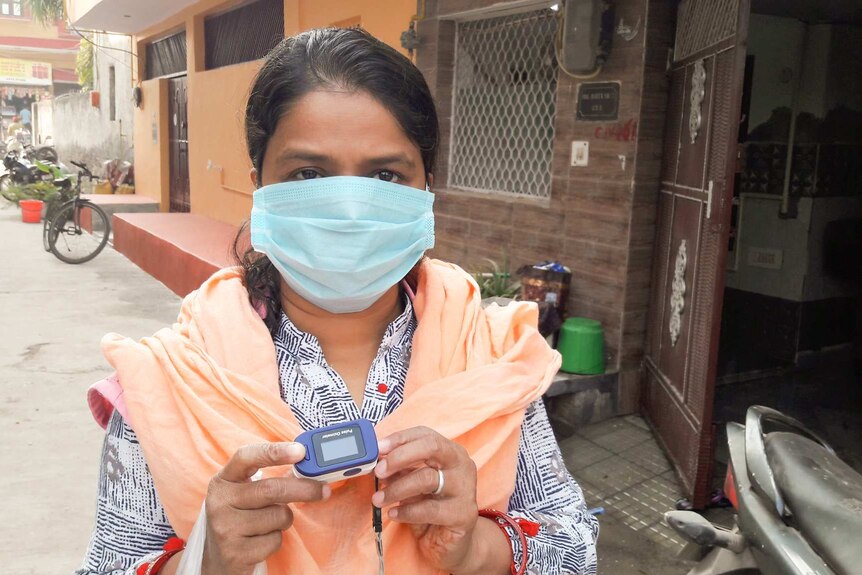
706	73
179	144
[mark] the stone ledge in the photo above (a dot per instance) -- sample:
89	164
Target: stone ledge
574	401
180	250
565	383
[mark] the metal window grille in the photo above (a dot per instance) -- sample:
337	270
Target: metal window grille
243	34
166	56
504	104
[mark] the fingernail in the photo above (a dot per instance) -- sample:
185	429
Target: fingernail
384	445
393	513
327	491
377	499
380	470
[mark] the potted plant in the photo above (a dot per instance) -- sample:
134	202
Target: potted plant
496	283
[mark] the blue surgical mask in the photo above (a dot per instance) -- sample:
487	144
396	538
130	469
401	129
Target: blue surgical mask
342	242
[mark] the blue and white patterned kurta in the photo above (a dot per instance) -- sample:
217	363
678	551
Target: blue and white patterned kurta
131	525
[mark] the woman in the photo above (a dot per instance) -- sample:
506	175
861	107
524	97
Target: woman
335	314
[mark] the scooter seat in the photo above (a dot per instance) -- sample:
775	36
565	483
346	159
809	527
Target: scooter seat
824	495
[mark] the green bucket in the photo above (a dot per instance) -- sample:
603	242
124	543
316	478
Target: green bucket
582	345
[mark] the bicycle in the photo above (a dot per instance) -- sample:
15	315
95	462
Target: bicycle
78	230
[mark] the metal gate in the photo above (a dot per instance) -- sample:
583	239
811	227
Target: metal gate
692	232
179	144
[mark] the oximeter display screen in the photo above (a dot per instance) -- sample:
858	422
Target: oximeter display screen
339	447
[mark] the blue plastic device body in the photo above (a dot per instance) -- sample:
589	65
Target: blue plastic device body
338	451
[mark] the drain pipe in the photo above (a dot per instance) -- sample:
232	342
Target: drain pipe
791	138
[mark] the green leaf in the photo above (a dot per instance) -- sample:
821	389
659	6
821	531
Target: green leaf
46	12
495	280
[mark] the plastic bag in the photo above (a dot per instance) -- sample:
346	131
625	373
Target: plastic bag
193	555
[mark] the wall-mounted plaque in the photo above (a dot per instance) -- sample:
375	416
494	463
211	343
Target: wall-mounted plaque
598	101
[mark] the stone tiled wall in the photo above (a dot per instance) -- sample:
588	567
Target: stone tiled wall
599	219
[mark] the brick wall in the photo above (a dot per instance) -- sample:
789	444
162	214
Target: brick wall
599	219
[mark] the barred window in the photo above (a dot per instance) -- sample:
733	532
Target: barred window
243	34
166	57
504	104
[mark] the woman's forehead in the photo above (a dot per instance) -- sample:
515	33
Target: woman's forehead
330	122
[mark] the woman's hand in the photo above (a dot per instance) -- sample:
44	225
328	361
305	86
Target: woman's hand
245	518
444	524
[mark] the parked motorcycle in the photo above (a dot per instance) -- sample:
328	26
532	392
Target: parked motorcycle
799	507
19	171
21	143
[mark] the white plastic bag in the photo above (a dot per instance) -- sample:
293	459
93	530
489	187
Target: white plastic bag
193	555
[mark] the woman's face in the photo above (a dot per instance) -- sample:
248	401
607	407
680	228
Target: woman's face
337	133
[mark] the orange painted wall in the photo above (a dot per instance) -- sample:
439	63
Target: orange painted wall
152	168
218	163
385	19
26	28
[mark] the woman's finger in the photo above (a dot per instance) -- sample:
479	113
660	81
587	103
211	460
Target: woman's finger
442	512
423	481
250	458
255	522
278	491
415	446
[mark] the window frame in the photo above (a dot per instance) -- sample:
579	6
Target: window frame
24	15
509	9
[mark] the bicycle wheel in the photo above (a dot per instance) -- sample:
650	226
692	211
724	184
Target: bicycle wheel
79	231
46	227
53	207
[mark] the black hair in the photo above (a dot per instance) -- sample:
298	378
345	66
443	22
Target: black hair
343	58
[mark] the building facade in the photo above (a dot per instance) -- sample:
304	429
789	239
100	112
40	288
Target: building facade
194	71
36	62
98	125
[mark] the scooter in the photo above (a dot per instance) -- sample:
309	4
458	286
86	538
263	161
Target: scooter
21	143
799	507
17	171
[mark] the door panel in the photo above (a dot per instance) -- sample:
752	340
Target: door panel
685	233
692	156
179	144
691	240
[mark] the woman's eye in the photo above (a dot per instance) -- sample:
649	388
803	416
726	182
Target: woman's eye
387	176
307	174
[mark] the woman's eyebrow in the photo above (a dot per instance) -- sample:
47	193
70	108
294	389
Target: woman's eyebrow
297	155
403	159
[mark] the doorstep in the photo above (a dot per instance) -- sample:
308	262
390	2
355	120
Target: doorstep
178	249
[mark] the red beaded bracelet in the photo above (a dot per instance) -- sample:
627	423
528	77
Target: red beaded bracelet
522	528
173	546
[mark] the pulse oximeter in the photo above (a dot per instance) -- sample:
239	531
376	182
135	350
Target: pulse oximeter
338	451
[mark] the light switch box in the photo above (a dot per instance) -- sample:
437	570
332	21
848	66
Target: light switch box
580	153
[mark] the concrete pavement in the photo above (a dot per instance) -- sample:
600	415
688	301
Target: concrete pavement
53	316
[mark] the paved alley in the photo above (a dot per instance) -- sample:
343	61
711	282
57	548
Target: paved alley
54	315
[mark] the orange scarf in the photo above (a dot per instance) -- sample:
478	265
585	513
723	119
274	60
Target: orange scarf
198	391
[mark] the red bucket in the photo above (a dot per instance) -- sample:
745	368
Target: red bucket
31	211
